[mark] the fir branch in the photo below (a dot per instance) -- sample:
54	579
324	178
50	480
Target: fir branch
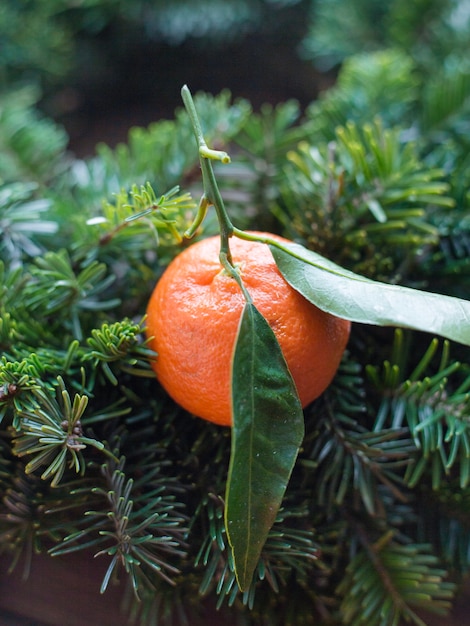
57	287
18	521
344	461
32	147
438	421
355	461
428	30
8	332
386	580
24	528
11	286
25	370
367	198
22	223
119	343
446	99
269	134
166	606
166	215
51	432
448	264
376	84
17	380
434	409
163	152
336	32
264	140
138	524
289	552
446	525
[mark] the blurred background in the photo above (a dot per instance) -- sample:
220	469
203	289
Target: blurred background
100	66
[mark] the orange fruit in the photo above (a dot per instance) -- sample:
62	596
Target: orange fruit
193	317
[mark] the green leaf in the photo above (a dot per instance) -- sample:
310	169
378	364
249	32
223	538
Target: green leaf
267	433
353	297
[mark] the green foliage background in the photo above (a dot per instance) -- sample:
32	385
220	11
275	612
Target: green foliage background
374	175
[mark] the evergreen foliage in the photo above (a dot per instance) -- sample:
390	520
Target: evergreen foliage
94	455
429	30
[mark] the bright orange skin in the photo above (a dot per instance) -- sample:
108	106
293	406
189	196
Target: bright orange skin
193	317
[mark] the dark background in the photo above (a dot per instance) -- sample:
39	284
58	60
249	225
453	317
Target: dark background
139	80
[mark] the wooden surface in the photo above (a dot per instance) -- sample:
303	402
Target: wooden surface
65	592
58	594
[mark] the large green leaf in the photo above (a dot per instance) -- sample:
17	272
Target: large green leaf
267	433
360	299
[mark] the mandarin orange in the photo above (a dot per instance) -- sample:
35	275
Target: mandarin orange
193	317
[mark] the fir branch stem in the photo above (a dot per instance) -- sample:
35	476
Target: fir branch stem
373	551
